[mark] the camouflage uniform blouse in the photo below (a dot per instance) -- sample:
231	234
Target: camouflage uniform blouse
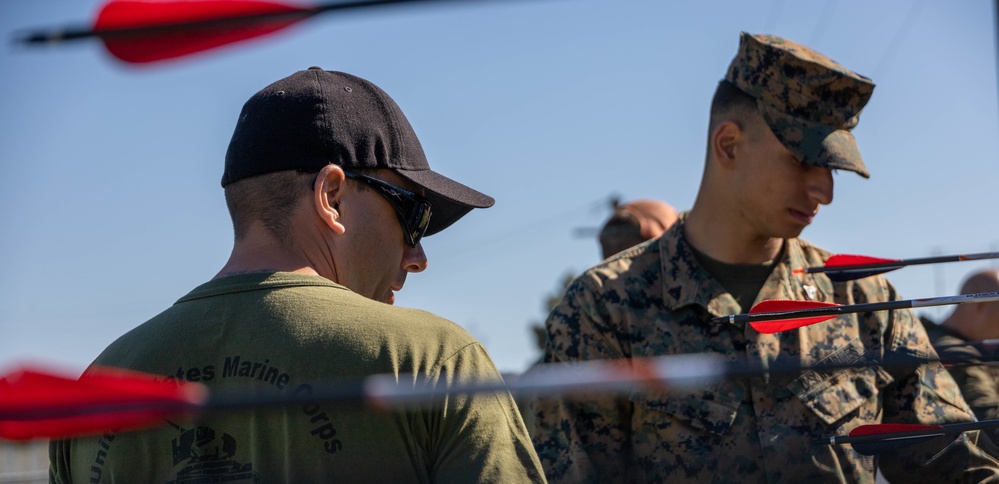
655	299
979	384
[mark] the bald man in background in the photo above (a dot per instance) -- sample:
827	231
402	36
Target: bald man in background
955	340
633	223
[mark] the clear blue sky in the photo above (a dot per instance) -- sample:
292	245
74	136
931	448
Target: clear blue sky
109	174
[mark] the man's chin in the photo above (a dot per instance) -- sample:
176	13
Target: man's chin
791	231
790	235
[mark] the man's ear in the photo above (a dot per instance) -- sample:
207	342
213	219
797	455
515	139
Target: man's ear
724	141
328	190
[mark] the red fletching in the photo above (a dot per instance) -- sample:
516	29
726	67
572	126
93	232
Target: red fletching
842	267
178	28
852	260
784	305
37	404
894	437
875	429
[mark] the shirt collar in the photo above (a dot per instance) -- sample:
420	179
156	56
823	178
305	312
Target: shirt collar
687	282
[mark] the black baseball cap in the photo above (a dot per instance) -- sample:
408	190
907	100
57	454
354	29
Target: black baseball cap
315	117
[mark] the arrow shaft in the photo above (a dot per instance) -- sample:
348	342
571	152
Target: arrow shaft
229	21
676	371
883	265
962	299
392	390
860	308
982	342
944	429
389	390
814	312
395	391
902	263
173	27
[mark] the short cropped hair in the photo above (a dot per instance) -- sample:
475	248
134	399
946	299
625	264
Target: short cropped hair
731	103
621	231
269	198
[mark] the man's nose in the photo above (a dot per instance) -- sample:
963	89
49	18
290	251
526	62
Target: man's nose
820	185
414	259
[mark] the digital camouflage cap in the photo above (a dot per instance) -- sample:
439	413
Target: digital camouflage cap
809	101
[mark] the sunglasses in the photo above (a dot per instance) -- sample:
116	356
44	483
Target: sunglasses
413	210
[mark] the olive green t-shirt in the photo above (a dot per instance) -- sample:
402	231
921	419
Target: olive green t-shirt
286	333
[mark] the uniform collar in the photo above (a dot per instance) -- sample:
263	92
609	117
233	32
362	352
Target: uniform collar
687	282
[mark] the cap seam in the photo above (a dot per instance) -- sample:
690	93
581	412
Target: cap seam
326	124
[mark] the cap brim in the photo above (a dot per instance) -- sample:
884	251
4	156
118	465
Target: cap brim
839	151
450	200
815	143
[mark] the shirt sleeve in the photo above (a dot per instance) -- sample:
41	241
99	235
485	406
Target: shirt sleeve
479	437
59	462
928	395
977	384
583	437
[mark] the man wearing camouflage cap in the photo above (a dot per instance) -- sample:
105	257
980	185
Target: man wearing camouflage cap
780	124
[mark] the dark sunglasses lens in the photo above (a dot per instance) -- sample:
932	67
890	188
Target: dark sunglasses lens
415	224
419	220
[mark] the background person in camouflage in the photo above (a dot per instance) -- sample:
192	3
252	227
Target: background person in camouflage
631	223
780	123
635	222
973	322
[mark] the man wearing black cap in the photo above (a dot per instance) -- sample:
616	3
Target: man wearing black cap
330	194
780	123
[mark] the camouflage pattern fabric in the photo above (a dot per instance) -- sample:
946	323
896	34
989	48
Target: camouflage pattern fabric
655	299
809	101
979	384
